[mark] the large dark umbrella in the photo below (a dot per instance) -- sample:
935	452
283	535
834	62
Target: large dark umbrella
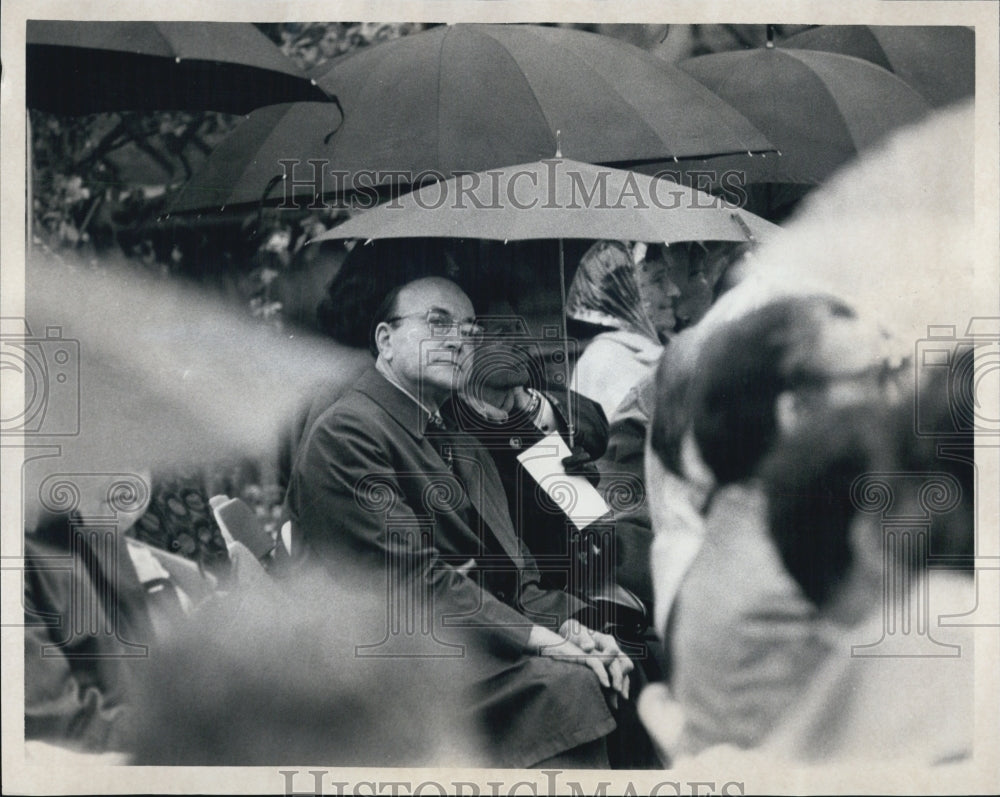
92	67
939	61
819	109
472	97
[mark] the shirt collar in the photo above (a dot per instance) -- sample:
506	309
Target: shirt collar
433	416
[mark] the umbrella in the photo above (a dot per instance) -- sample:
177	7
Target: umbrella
471	97
557	198
819	109
938	61
92	67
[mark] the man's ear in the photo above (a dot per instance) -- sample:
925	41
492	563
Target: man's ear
383	341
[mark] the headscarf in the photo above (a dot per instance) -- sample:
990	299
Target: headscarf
605	291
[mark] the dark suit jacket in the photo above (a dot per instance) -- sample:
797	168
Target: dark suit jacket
538	521
370	489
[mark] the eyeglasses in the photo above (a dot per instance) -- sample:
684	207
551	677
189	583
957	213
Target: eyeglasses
444	325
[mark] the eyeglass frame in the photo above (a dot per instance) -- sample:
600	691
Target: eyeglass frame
469	330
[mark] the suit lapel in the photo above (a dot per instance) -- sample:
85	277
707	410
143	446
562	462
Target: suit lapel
471	462
478	472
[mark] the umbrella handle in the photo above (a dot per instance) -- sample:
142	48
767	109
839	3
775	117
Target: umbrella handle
569	399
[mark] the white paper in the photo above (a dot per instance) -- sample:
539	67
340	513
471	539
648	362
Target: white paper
574	495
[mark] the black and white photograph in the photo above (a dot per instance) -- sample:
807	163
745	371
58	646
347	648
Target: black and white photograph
513	399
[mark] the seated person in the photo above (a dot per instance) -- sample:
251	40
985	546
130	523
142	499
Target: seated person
681	492
741	653
383	483
95	600
605	296
689	277
897	680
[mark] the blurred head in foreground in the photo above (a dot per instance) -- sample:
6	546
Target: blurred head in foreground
768	373
829	483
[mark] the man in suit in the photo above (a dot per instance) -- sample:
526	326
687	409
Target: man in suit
384	484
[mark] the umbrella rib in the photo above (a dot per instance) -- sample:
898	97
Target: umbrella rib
611	87
437	118
534	96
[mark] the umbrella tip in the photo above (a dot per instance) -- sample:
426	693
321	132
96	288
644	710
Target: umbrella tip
744	227
559	143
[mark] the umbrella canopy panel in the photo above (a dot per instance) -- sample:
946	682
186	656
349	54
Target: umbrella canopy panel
556	198
472	97
471	93
819	109
92	67
939	61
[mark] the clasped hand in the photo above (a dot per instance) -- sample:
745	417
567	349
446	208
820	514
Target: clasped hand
575	642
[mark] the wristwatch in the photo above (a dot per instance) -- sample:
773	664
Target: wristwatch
535	406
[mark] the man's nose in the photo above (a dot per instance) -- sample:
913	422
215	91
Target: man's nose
454	341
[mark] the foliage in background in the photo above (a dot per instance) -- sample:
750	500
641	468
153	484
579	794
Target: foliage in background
311	44
100	182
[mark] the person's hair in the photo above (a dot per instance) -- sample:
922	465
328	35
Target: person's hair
945	408
369	272
807	482
386	310
742	370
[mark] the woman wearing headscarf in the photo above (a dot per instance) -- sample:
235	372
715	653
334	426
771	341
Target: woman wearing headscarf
632	305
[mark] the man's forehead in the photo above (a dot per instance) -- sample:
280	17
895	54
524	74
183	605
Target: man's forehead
441	295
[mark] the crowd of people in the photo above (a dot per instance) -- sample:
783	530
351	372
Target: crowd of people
431	600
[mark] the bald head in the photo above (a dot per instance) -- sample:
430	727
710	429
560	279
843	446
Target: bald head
418	334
